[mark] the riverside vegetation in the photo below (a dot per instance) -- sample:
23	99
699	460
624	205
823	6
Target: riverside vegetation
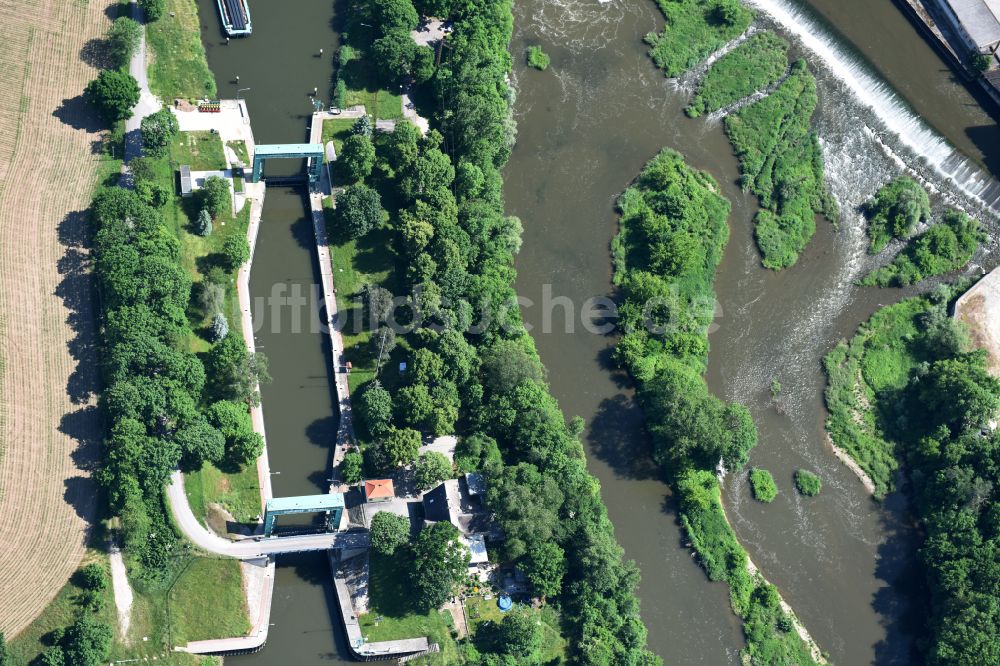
908	391
895	211
428	215
780	156
672	233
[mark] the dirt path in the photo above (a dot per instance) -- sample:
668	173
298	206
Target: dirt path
49	426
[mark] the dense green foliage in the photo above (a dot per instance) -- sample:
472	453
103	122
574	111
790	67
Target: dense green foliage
943	397
389	531
753	65
762	483
431	469
782	164
537	58
807	483
672	233
895	211
113	93
357	158
124	37
694	29
945	247
359	210
153	9
216	196
471	370
158	130
352	467
440	562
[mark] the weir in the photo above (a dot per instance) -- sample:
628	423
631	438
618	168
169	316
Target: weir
894	113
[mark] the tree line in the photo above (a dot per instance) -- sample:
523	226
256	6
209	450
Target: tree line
440	195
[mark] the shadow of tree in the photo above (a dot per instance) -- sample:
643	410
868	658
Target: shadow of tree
903	603
76	292
78	114
95	53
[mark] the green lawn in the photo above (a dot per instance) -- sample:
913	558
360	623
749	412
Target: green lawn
237	492
362	88
195	615
482	612
357	263
179	68
392	616
337	130
240	148
202	151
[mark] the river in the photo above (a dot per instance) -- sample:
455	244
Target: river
585	128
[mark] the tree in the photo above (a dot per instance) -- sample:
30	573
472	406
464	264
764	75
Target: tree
93	577
245	448
215	195
87	642
437	8
351	467
545	567
199	443
5	658
358	210
153	9
477	452
236	251
389	531
203	224
394	15
235	372
526	504
394	54
154	194
521	635
960	392
382	342
440	562
980	61
376	409
363	126
357	158
219	328
432	468
113	93
124	37
53	656
507	364
378	303
158	130
401	446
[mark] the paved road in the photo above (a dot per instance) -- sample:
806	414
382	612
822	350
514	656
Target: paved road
148	102
249	549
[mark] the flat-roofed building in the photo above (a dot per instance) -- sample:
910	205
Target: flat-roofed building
976	21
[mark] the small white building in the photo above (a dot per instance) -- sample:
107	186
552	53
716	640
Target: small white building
977	22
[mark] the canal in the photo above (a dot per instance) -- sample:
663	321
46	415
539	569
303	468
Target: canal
585	128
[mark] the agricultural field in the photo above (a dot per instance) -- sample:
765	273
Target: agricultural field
50	159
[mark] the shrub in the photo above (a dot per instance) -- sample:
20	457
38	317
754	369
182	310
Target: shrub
980	61
764	488
203	223
219	328
93	577
113	94
389	531
537	58
153	9
895	210
807	483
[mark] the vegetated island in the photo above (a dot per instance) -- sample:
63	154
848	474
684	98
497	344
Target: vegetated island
807	483
672	234
763	485
780	156
909	391
753	65
895	211
537	58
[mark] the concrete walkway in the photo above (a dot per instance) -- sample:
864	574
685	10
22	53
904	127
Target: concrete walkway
148	102
121	588
979	309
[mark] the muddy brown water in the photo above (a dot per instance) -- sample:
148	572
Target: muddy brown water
585	128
